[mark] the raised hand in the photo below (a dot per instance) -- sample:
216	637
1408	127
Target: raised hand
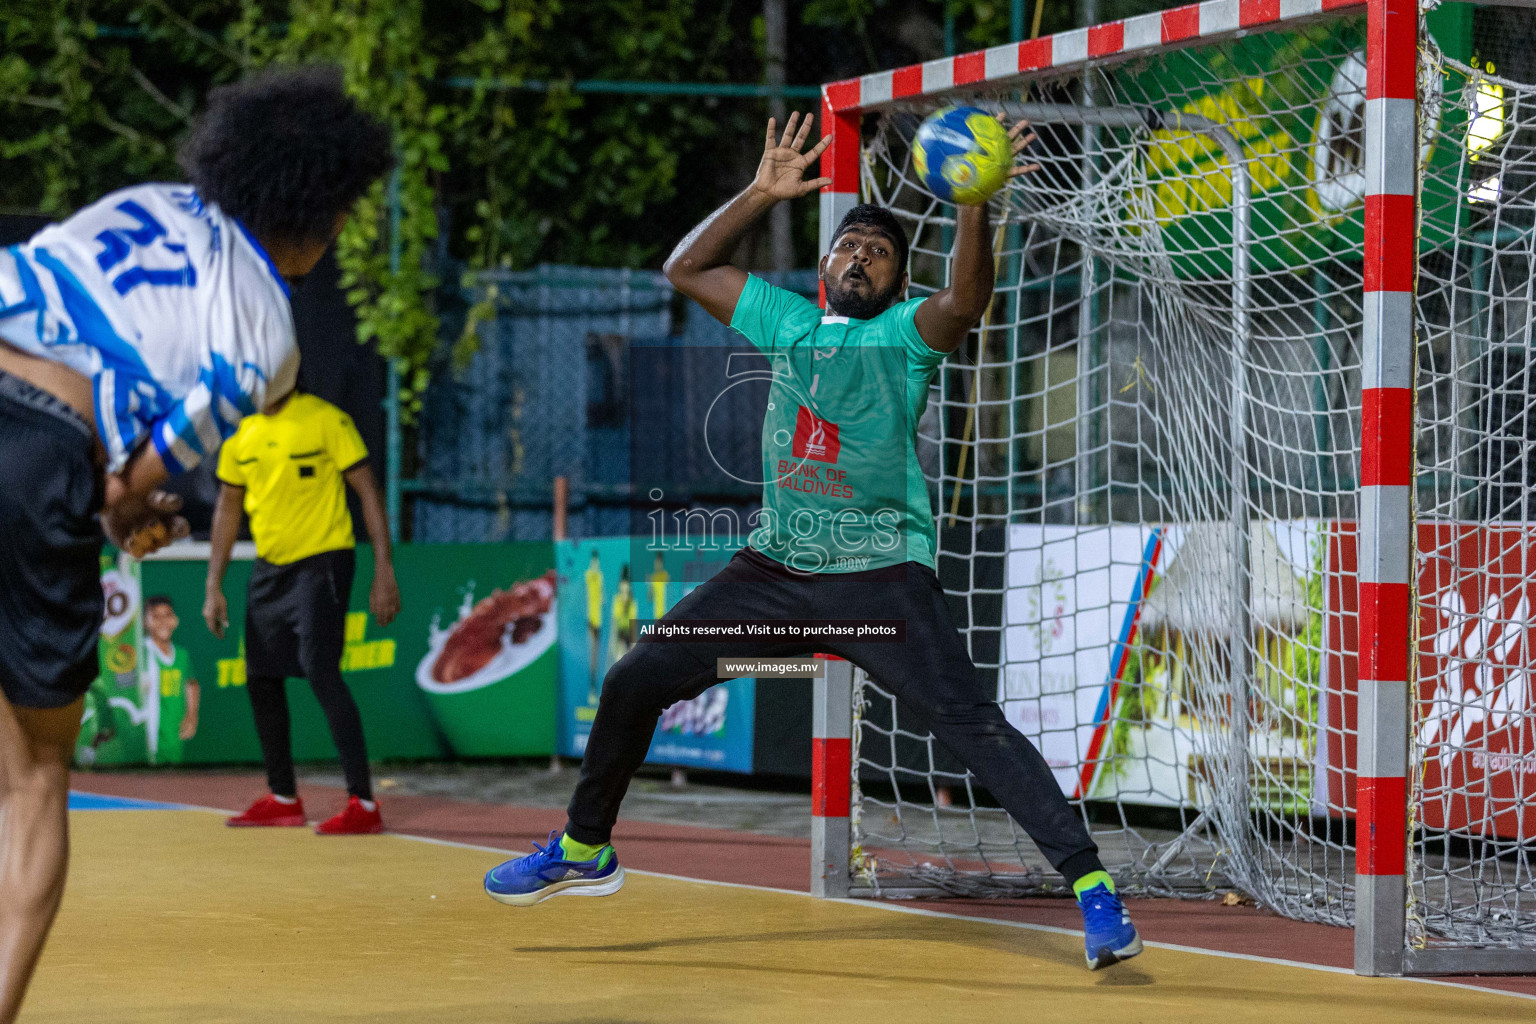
1020	140
781	174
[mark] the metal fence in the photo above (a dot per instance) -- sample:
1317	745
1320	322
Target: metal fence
552	391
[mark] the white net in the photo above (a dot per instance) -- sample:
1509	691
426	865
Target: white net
1145	467
1472	864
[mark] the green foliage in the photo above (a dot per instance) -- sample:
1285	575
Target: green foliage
78	115
381	49
584	179
514	177
978	23
95	96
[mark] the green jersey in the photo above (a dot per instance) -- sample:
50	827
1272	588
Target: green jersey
169	679
843	490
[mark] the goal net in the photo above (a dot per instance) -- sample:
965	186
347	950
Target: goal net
1147	465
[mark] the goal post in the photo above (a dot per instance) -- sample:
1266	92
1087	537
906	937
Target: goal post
1229	482
1386	480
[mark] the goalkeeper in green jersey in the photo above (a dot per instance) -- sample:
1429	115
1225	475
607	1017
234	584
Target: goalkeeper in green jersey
846	531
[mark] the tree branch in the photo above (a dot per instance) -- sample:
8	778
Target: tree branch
37	101
198	34
159	97
131	134
154	93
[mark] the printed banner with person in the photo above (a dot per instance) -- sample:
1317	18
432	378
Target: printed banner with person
467	669
602	601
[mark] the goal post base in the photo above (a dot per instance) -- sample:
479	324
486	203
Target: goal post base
1469	961
831	779
829	859
1379	925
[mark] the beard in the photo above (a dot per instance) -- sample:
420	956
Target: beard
844	301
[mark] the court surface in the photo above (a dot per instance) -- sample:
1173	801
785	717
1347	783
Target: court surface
170	916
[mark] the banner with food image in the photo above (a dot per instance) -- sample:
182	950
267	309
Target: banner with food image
488	665
606	587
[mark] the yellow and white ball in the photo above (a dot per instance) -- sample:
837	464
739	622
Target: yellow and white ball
962	155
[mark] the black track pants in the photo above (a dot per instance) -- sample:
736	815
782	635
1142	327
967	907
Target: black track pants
930	673
295	625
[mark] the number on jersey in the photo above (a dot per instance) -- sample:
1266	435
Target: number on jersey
119	243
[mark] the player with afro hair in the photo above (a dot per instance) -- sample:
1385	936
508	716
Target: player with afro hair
134	336
286	153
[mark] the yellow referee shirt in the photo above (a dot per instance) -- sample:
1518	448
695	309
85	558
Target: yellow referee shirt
291	463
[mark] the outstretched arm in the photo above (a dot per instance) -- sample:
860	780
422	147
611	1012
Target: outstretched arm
700	266
950	313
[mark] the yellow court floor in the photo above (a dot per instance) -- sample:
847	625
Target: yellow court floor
172	917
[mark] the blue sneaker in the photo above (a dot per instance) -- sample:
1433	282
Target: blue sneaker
545	873
1108	935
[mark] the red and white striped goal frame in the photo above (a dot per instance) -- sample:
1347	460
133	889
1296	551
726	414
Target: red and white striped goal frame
831	778
1386	443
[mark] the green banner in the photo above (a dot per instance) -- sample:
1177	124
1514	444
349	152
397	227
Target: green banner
467	669
114	729
1295	103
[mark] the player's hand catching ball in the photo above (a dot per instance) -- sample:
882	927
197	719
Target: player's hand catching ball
781	173
965	156
1019	140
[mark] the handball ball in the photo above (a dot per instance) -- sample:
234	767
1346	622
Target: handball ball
962	155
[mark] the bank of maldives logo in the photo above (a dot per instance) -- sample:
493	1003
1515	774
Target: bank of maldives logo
815	438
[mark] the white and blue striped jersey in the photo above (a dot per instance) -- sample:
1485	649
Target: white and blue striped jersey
171	307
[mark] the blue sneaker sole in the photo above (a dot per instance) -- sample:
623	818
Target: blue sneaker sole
574	887
1109	956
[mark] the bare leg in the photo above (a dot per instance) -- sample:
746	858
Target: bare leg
35	751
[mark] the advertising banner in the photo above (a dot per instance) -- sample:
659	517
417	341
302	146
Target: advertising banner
1294	101
1475	725
468	667
114	723
1072	608
1117	661
602	599
1117	665
487	674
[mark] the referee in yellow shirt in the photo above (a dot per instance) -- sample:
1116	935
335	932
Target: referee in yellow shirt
286	467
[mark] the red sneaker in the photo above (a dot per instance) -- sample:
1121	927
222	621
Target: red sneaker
354	820
269	811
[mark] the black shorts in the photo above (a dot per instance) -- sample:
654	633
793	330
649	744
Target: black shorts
50	549
296	614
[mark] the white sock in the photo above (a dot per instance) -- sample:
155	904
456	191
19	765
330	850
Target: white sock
285	799
368	805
